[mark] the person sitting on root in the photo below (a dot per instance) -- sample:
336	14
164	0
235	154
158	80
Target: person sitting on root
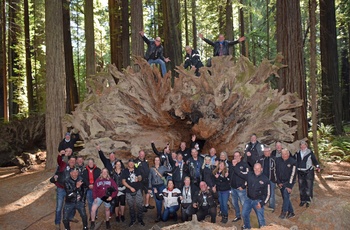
154	53
193	60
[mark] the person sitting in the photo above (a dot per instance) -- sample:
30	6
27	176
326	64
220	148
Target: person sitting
154	53
156	183
221	46
204	203
186	198
105	189
193	60
171	200
75	198
68	142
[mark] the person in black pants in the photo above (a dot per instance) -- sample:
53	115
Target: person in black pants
204	203
180	171
305	165
188	192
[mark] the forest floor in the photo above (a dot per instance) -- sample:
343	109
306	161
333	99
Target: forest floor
27	201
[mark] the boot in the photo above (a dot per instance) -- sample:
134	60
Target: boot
92	226
224	219
108	225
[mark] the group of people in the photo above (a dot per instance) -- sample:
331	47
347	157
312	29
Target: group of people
155	52
186	180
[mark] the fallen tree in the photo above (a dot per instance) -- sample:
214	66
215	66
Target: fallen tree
224	106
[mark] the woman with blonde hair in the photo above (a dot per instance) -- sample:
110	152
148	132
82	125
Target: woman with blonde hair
104	190
222	182
207	172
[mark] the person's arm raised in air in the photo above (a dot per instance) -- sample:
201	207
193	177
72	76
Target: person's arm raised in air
145	39
206	40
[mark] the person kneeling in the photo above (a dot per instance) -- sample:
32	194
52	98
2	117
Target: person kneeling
171	201
205	203
188	193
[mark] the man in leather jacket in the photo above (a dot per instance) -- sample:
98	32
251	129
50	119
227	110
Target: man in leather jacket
75	198
221	46
154	53
205	203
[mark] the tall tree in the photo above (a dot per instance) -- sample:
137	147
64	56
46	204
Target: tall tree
229	24
194	26
290	44
71	84
187	42
242	29
14	31
55	79
125	35
136	10
172	35
313	69
3	63
30	93
89	37
114	7
331	106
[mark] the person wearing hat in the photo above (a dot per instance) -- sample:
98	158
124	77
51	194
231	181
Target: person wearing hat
306	160
68	142
75	190
154	53
132	180
268	164
108	163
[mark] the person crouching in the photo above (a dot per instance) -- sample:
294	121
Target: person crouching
171	200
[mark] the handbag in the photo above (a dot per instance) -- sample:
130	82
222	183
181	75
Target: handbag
160	175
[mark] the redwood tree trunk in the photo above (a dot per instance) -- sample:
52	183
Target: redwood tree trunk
242	29
55	79
114	7
137	47
194	27
289	43
125	44
89	37
229	24
3	63
331	106
71	85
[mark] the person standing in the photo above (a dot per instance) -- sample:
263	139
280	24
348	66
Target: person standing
186	152
195	166
306	161
207	172
142	164
180	171
258	194
156	183
221	46
132	180
286	174
90	175
165	156
193	60
109	162
268	164
222	184
119	200
154	53
105	189
278	150
75	198
253	151
68	142
187	195
238	184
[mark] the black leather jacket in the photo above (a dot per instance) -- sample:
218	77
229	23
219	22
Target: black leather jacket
204	199
225	46
153	52
193	59
74	194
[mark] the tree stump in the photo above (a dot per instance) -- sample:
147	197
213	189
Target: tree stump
224	106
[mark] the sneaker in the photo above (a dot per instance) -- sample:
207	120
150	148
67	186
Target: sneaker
58	227
302	203
122	218
131	223
142	223
224	219
108	225
145	209
283	215
290	215
74	220
149	206
92	226
117	219
236	219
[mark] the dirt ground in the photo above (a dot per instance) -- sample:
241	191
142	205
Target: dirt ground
27	201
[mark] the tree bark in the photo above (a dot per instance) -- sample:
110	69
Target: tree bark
289	43
137	47
30	95
345	71
331	106
89	37
313	71
242	29
3	63
187	41
71	85
125	44
194	27
229	24
55	79
114	7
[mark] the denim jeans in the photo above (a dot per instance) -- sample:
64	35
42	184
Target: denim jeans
272	200
247	208
223	199
60	195
242	196
287	204
90	200
170	210
160	62
159	203
69	209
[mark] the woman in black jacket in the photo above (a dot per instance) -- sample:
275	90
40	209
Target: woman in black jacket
222	182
